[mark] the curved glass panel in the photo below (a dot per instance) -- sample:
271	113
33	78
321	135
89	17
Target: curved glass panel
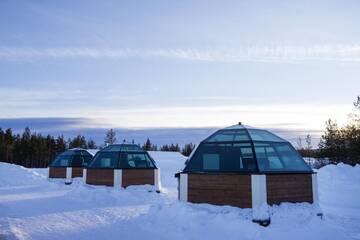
63	160
222	157
135	160
130	148
87	157
113	148
232	150
263	135
237	126
77	160
122	147
281	157
229	136
72	158
105	160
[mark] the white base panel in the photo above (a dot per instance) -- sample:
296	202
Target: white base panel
183	188
315	188
117	178
84	175
260	207
157	180
68	175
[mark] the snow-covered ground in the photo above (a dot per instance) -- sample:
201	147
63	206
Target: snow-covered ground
31	207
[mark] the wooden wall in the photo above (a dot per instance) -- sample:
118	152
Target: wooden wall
100	177
57	172
77	172
289	188
220	189
137	177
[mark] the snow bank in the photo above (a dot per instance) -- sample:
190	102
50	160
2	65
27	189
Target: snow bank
339	192
340	173
339	186
31	207
169	164
15	175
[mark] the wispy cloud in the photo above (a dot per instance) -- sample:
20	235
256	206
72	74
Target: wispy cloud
95	129
291	116
245	54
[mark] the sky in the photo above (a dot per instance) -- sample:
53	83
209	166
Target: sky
179	64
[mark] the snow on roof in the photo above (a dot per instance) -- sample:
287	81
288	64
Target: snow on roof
91	151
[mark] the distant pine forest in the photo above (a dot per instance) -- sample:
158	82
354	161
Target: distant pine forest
33	150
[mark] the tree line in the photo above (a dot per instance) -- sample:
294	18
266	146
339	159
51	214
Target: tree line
33	150
342	143
30	149
338	143
186	150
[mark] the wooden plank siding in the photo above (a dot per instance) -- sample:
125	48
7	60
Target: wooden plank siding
100	177
77	172
57	172
137	177
289	188
220	189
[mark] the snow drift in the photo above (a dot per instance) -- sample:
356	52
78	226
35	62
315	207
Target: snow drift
31	207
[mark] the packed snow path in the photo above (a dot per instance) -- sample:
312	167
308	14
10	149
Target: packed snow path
31	207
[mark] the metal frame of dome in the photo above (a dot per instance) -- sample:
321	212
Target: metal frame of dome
70	169
253	187
118	172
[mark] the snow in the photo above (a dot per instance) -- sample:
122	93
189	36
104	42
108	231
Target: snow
31	207
17	176
92	151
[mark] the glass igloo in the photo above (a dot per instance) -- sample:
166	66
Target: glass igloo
122	156
246	167
241	148
76	157
122	165
70	163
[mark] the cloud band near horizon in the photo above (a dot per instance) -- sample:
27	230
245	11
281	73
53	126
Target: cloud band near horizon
345	53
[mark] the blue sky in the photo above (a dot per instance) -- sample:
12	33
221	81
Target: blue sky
145	64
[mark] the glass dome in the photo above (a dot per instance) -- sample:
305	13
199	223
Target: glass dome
241	148
122	156
123	148
72	158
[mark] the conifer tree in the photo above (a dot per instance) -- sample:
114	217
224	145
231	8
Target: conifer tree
91	144
110	137
342	144
188	148
147	145
78	142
